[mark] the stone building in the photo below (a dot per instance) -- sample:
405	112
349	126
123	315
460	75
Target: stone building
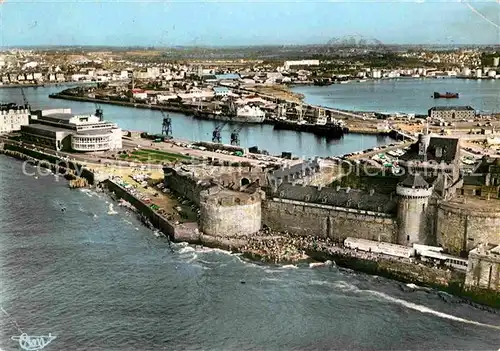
12	117
452	112
483	269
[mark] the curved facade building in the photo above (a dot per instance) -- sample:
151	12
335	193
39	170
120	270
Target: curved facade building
98	140
61	130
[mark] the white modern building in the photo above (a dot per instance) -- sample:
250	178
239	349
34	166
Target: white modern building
12	117
59	129
289	64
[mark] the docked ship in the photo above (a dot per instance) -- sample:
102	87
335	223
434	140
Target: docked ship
245	114
331	129
446	95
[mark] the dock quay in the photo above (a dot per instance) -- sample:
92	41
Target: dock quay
167	108
324	130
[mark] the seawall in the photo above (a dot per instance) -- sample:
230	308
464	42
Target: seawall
325	221
168	108
69	169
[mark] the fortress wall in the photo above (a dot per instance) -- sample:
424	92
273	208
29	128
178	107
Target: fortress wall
308	219
230	214
350	198
461	230
184	186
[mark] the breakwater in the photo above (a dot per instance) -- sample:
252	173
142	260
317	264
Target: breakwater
78	176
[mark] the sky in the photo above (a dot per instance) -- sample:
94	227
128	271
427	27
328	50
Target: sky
251	22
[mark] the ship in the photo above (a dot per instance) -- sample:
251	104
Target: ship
245	114
332	129
446	95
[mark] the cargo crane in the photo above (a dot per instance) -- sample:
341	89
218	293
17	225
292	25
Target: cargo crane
235	136
98	112
25	100
166	127
216	138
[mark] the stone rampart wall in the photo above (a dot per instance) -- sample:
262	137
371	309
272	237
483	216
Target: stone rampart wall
349	198
156	219
308	219
184	186
460	230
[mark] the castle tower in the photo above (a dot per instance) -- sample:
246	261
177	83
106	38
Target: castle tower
414	194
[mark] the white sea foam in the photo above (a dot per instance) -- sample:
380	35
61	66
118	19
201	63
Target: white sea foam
413	286
424	309
193	258
316	264
186	249
289	266
111	211
87	192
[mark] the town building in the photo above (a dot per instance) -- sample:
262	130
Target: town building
61	130
12	117
483	268
452	112
221	91
301	63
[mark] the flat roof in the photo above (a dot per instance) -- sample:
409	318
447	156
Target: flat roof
93	131
45	127
64	116
451	108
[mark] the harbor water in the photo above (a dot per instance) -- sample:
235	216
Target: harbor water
75	265
304	145
405	95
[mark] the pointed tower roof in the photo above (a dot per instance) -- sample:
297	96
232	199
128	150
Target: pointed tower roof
415	181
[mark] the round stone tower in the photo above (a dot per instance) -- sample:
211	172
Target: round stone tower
414	194
229	213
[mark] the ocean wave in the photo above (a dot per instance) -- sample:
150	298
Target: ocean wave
193	258
111	210
327	263
427	310
87	192
316	264
202	267
289	266
186	249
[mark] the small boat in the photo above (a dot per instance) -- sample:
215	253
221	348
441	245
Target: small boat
446	95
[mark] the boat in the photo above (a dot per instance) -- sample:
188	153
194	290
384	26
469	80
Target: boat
446	95
245	114
335	129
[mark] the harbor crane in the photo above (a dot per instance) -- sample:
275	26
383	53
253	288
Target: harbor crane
98	112
216	138
166	127
235	136
25	100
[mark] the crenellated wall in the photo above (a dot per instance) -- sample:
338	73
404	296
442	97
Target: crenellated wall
183	185
309	219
